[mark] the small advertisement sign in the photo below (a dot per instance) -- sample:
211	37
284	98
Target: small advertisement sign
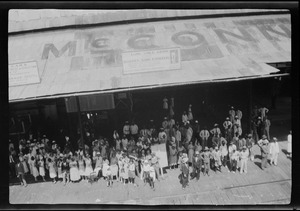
23	73
151	60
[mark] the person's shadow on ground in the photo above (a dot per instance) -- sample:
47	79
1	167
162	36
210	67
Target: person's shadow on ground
286	153
257	157
258	164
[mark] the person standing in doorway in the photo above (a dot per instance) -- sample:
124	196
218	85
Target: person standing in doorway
263	111
267	125
228	129
239	114
190	113
231	114
216	132
204	135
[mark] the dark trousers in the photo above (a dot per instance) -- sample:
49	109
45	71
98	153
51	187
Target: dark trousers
264	162
196	173
12	169
224	160
185	181
233	164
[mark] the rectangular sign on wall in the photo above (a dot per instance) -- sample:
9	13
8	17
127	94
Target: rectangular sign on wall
23	73
153	60
90	103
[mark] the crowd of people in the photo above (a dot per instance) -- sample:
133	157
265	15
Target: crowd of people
127	154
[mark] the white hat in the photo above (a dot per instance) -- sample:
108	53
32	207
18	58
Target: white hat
197	152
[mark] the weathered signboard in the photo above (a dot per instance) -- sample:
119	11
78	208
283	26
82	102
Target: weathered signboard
148	61
23	73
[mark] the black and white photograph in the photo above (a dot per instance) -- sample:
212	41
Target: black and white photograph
150	106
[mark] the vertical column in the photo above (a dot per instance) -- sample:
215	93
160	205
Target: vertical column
249	104
80	125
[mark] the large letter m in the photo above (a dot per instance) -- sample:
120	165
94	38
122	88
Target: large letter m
71	46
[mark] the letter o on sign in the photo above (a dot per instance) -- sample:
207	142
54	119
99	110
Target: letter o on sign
144	41
188	38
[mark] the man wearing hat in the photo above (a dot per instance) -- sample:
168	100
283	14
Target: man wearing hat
259	127
206	160
227	124
239	115
172	154
250	143
204	135
244	154
196	130
231	150
231	114
263	140
126	130
216	132
266	124
155	163
184	173
197	164
274	151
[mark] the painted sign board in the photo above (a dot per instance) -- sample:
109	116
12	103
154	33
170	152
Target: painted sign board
23	73
161	152
148	61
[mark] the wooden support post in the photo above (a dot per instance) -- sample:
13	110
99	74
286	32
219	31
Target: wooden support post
80	125
250	102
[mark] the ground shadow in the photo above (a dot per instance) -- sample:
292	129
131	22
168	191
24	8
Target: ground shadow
258	164
257	157
284	151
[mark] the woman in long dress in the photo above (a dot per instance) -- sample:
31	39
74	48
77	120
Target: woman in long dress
74	172
88	165
33	166
41	164
114	165
52	170
81	167
173	155
190	153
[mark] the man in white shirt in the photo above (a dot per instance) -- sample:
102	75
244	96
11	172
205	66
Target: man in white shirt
274	151
204	134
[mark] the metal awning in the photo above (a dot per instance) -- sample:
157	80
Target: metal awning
145	55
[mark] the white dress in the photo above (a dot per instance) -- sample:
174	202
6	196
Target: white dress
42	168
289	144
74	172
88	167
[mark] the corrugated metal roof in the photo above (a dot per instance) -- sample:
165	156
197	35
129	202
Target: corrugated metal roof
91	60
26	19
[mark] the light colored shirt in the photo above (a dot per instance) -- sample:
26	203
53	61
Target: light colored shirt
274	148
134	129
126	129
204	134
